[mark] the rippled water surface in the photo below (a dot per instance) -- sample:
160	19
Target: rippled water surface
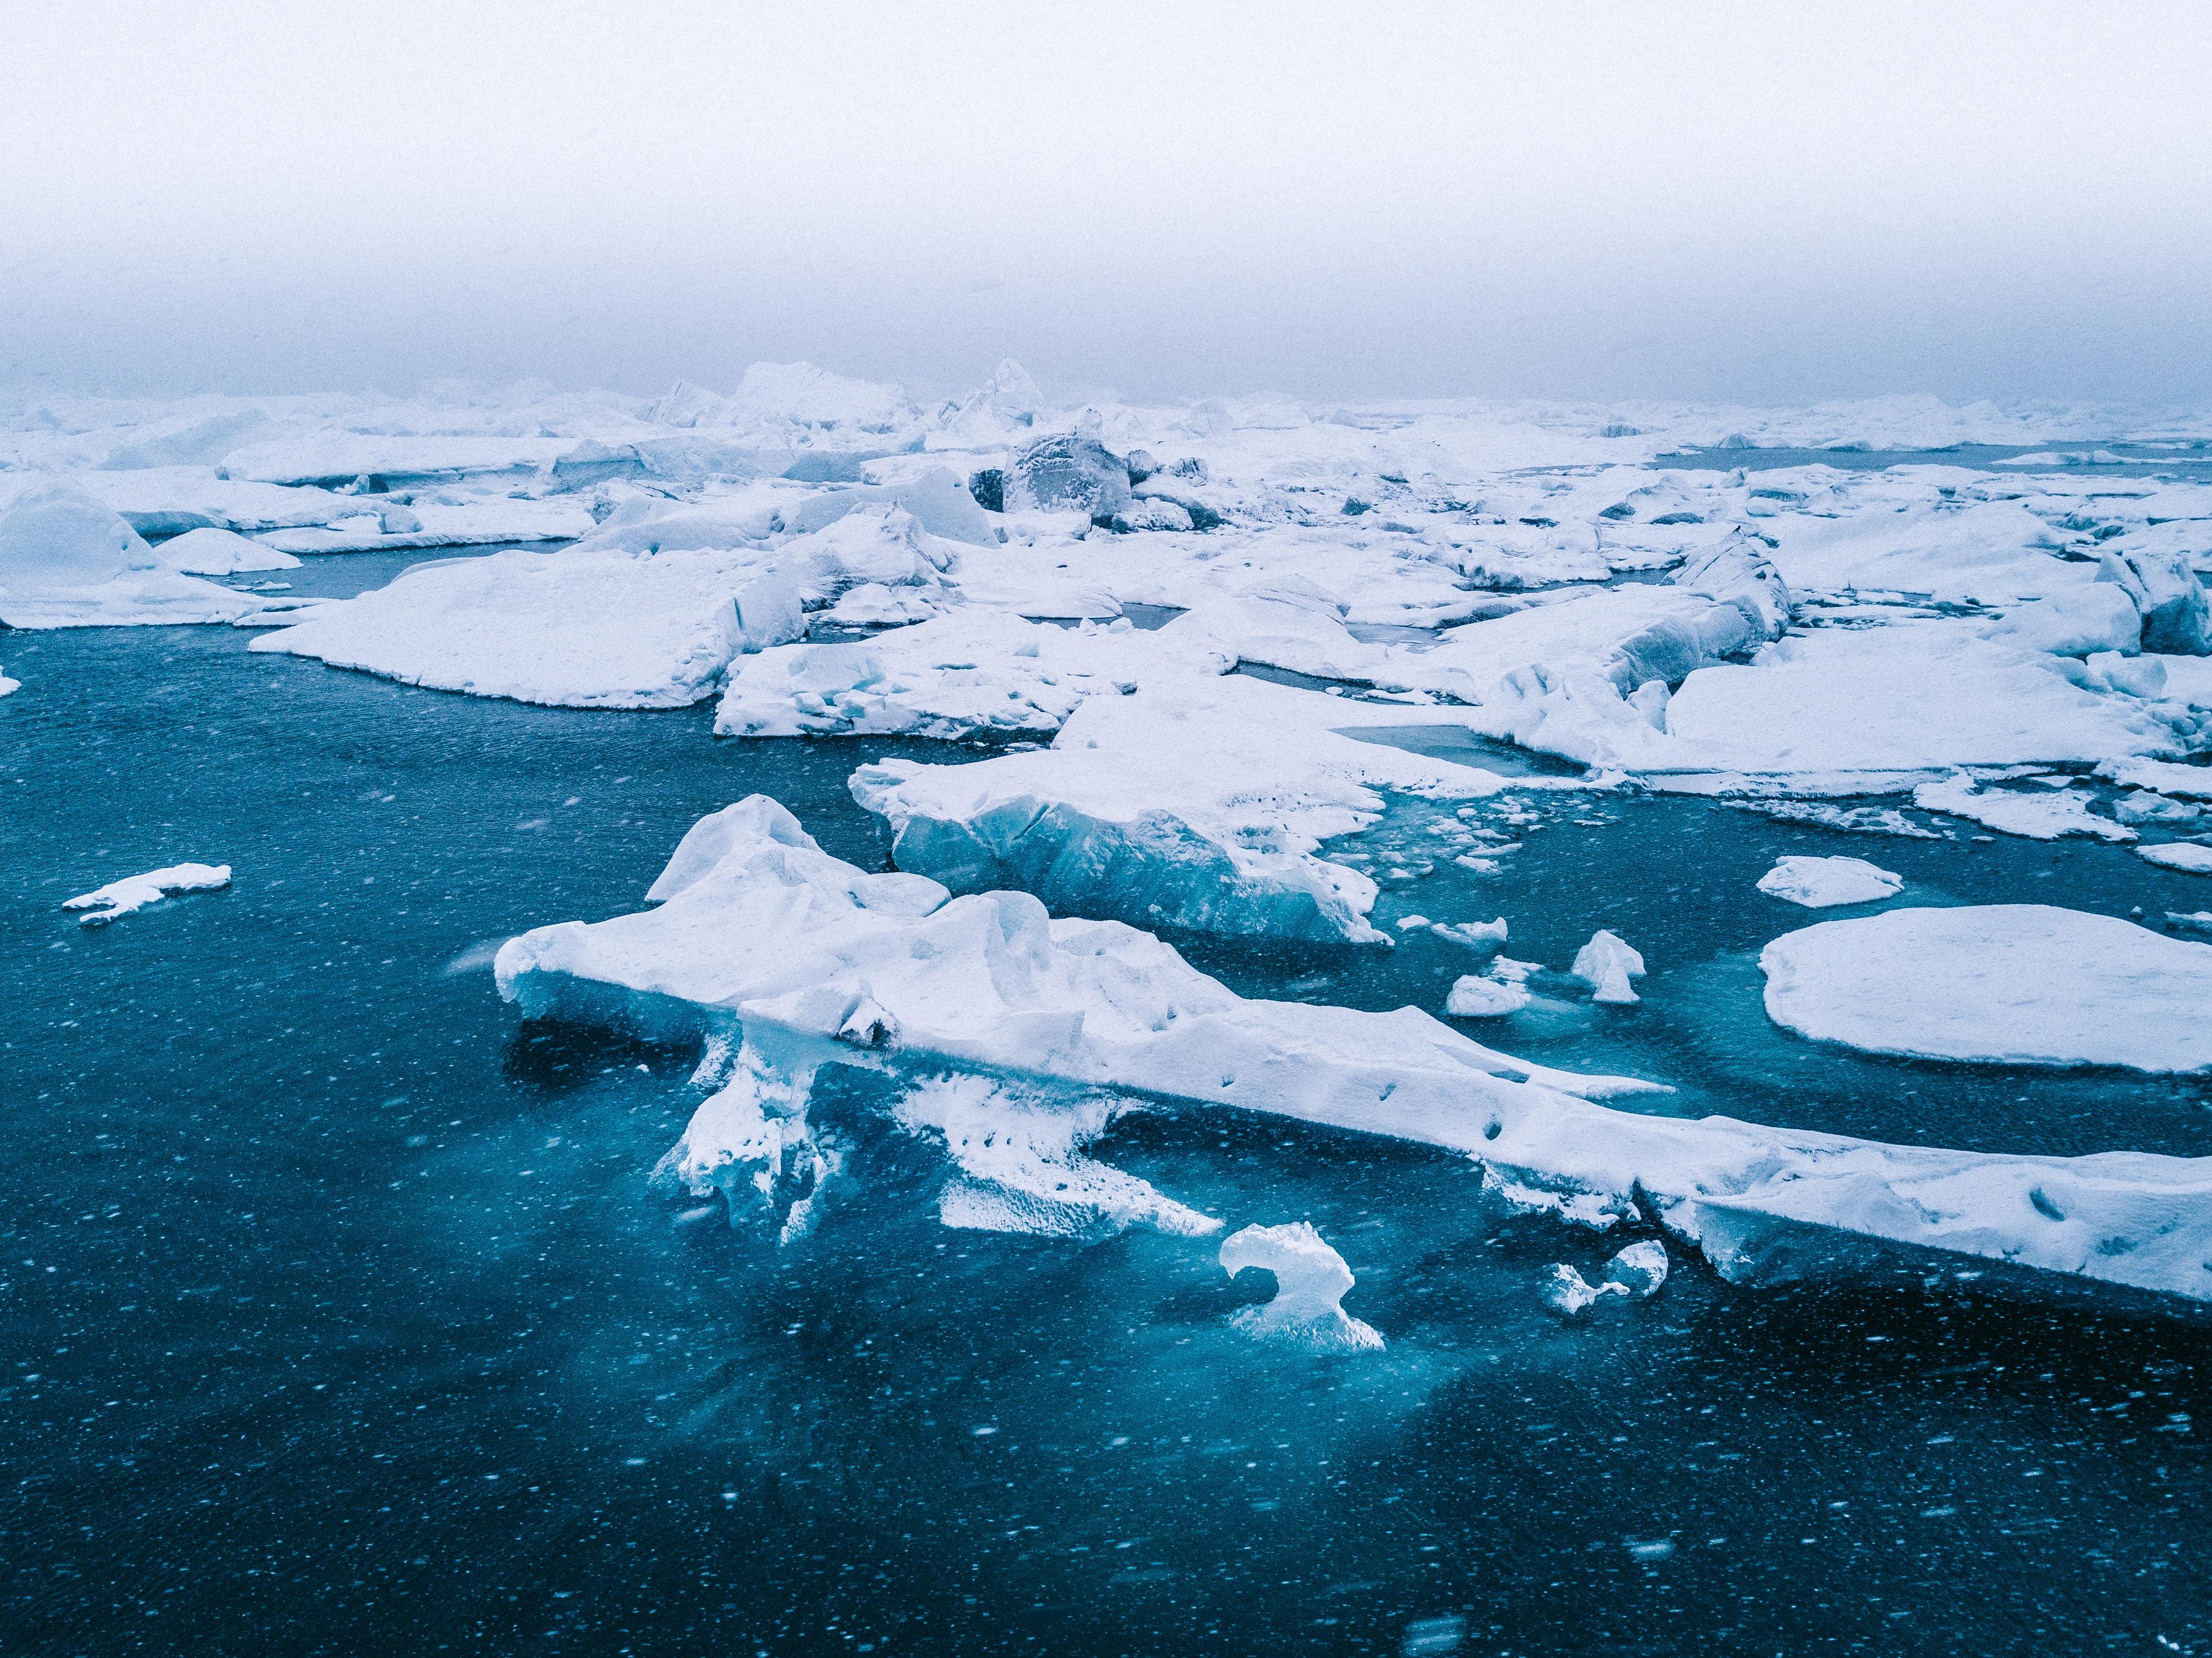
337	1315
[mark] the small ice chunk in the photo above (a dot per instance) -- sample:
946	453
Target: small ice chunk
137	891
7	685
1474	996
2136	676
1606	964
211	551
2180	854
1310	1279
2141	806
1641	1267
2037	817
1569	1294
1819	882
1407	923
1477	935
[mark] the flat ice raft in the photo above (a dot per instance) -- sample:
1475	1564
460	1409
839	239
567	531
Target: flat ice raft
761	936
2002	984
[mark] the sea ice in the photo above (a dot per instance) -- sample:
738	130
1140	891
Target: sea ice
1474	996
137	891
1569	1294
1641	1267
1606	964
2044	816
1819	882
67	561
212	551
2180	854
1310	1280
1019	1153
2001	984
769	945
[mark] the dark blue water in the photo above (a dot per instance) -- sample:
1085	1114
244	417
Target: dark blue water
337	1315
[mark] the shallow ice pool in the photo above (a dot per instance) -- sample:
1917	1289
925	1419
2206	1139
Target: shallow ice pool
337	1314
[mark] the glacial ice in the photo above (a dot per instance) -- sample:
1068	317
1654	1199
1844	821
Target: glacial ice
1821	883
1478	996
1998	984
1310	1281
768	945
135	892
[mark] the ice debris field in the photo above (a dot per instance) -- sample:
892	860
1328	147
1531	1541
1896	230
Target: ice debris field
1193	654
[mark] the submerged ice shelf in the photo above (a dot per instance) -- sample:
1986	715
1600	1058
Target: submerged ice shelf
793	960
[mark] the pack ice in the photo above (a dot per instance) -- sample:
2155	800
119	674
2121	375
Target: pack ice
788	959
2001	984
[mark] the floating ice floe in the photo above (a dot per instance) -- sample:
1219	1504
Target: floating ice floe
2047	815
1476	996
788	959
1822	883
2180	854
137	891
2001	984
1635	1274
1310	1281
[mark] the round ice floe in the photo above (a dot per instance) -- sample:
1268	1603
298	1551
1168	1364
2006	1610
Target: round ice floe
2005	984
2180	854
1818	883
1310	1279
1474	996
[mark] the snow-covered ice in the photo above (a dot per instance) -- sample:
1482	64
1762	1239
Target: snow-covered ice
1999	984
1822	883
1605	964
2043	815
1310	1281
67	561
789	959
1477	996
135	892
2180	854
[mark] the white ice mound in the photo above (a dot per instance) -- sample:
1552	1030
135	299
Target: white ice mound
1310	1279
796	960
1569	1294
1822	883
68	562
1474	996
1606	964
2044	815
2180	854
210	551
137	891
609	630
2004	984
1019	1153
1641	1267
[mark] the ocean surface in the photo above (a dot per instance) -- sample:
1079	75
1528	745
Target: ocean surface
338	1315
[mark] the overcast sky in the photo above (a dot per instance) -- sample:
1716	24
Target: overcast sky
1760	203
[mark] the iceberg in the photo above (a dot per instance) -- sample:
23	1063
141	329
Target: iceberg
1997	984
774	952
1823	882
67	561
135	892
1605	964
212	551
1476	996
2184	855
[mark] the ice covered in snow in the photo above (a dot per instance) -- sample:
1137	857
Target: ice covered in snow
212	551
1478	996
2180	854
788	959
2000	984
2043	814
1569	1294
1606	964
1641	1267
67	561
1310	1281
7	685
1822	883
137	891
